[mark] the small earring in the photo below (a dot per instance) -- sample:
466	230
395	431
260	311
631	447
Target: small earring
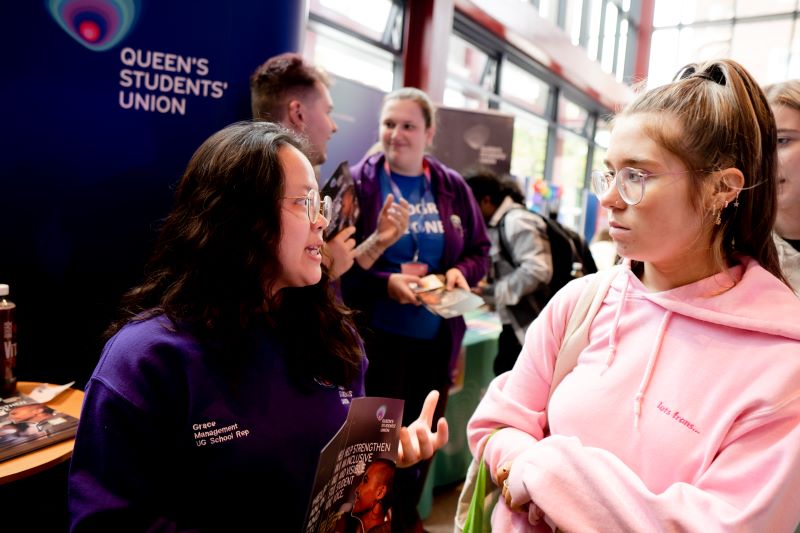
736	200
718	221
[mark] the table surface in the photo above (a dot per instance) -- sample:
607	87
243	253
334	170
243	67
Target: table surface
30	463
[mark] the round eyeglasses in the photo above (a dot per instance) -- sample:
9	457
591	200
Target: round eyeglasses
315	206
630	182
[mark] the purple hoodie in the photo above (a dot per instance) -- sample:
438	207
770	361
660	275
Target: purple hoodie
466	244
167	442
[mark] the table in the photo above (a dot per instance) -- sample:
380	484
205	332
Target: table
477	356
30	463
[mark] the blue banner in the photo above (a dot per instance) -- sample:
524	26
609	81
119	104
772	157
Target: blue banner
105	102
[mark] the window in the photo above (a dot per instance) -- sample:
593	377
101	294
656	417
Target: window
374	19
754	8
356	39
349	57
553	139
794	60
609	38
524	89
569	171
572	24
596	13
467	62
573	117
601	138
529	150
760	35
763	48
548	9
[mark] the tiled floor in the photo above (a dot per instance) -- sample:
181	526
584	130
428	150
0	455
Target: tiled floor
443	510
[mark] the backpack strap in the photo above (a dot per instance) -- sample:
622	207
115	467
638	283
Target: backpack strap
505	246
576	335
569	236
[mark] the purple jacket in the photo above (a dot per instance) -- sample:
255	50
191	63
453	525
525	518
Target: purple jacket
466	242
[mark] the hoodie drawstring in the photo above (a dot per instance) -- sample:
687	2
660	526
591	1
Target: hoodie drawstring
612	338
648	373
652	358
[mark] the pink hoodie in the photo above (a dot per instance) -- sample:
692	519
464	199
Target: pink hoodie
683	413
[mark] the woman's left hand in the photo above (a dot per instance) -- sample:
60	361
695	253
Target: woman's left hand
417	441
454	278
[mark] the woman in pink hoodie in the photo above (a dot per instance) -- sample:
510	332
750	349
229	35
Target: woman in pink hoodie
683	411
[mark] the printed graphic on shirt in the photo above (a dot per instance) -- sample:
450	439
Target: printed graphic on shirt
345	395
210	433
677	417
424	218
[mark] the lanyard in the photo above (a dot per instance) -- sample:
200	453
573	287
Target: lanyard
426	170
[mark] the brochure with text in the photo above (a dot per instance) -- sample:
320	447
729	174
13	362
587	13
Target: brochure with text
365	448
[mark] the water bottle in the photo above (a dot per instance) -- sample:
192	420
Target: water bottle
8	354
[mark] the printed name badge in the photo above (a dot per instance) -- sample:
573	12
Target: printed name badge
414	268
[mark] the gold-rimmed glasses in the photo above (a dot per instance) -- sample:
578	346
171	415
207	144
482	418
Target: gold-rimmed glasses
315	206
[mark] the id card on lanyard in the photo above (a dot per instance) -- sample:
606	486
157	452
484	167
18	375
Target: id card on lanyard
414	267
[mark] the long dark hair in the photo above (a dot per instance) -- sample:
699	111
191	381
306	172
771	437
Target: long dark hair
216	259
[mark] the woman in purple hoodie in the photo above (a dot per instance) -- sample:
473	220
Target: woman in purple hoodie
683	411
234	365
411	349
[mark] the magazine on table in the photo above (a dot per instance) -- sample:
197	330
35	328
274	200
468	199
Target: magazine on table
27	425
365	444
342	190
448	304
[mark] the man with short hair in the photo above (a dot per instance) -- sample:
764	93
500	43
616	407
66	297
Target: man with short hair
289	90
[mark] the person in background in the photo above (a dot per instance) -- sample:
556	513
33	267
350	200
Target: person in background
521	262
288	90
603	249
412	350
784	98
233	364
683	412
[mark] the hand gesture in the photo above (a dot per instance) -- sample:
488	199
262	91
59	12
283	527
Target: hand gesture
401	288
392	221
417	441
339	252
